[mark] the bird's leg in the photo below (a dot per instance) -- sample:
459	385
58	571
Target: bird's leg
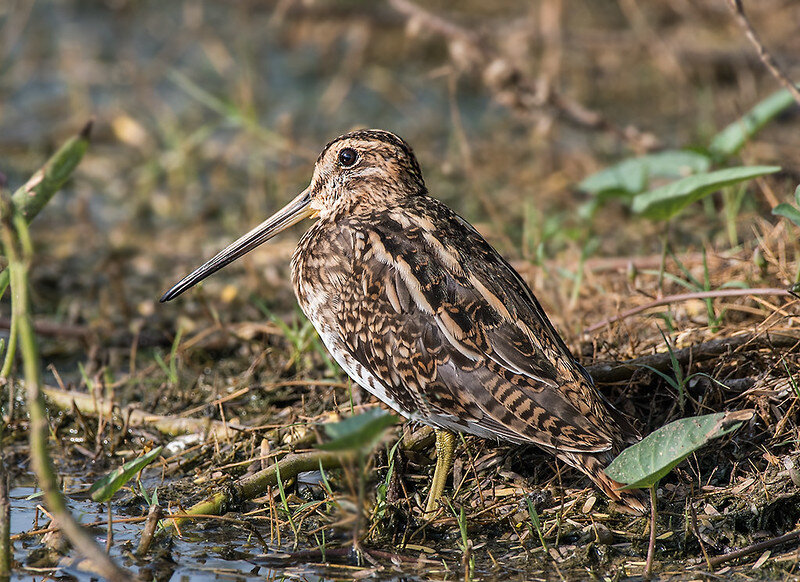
445	447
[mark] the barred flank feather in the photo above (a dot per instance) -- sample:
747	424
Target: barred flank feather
634	501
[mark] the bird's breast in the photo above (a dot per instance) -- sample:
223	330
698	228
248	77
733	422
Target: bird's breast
333	291
323	273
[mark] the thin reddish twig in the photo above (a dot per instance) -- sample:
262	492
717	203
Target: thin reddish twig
754	548
685	297
763	54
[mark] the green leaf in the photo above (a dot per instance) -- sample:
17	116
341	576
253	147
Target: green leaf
645	463
731	139
46	181
359	432
787	211
665	202
632	176
797	195
104	488
37	192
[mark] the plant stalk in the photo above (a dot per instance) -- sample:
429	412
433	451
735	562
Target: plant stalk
5	523
651	548
18	259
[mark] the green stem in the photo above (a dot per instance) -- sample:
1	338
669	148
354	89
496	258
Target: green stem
38	424
11	349
361	498
732	202
256	484
663	265
578	281
29	200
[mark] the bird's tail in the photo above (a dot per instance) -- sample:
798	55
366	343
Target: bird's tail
593	465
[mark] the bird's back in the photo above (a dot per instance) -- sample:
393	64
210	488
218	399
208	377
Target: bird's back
420	310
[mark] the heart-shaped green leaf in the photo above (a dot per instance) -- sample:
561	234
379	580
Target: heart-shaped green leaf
645	463
104	488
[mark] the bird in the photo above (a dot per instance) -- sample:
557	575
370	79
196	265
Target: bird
421	311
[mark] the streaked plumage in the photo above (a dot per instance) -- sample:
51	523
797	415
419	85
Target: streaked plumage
422	312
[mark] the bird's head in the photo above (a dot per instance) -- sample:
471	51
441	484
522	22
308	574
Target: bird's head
368	168
361	170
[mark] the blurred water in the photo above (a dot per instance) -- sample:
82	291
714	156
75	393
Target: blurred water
78	58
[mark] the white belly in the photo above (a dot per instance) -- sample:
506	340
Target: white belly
359	373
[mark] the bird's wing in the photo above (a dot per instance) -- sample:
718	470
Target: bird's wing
460	336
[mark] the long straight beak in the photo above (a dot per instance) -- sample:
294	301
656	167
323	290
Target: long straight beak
292	213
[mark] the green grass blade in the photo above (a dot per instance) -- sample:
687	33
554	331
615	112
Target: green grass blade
731	139
534	517
787	211
104	488
632	176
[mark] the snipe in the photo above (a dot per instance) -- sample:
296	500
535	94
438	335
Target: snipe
423	313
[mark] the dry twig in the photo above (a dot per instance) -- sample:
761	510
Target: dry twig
88	404
754	548
256	484
616	372
765	56
685	297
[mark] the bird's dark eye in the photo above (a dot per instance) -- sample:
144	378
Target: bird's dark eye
347	157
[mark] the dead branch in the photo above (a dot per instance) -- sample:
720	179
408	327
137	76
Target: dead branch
685	297
766	57
509	85
255	485
89	404
754	548
620	371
